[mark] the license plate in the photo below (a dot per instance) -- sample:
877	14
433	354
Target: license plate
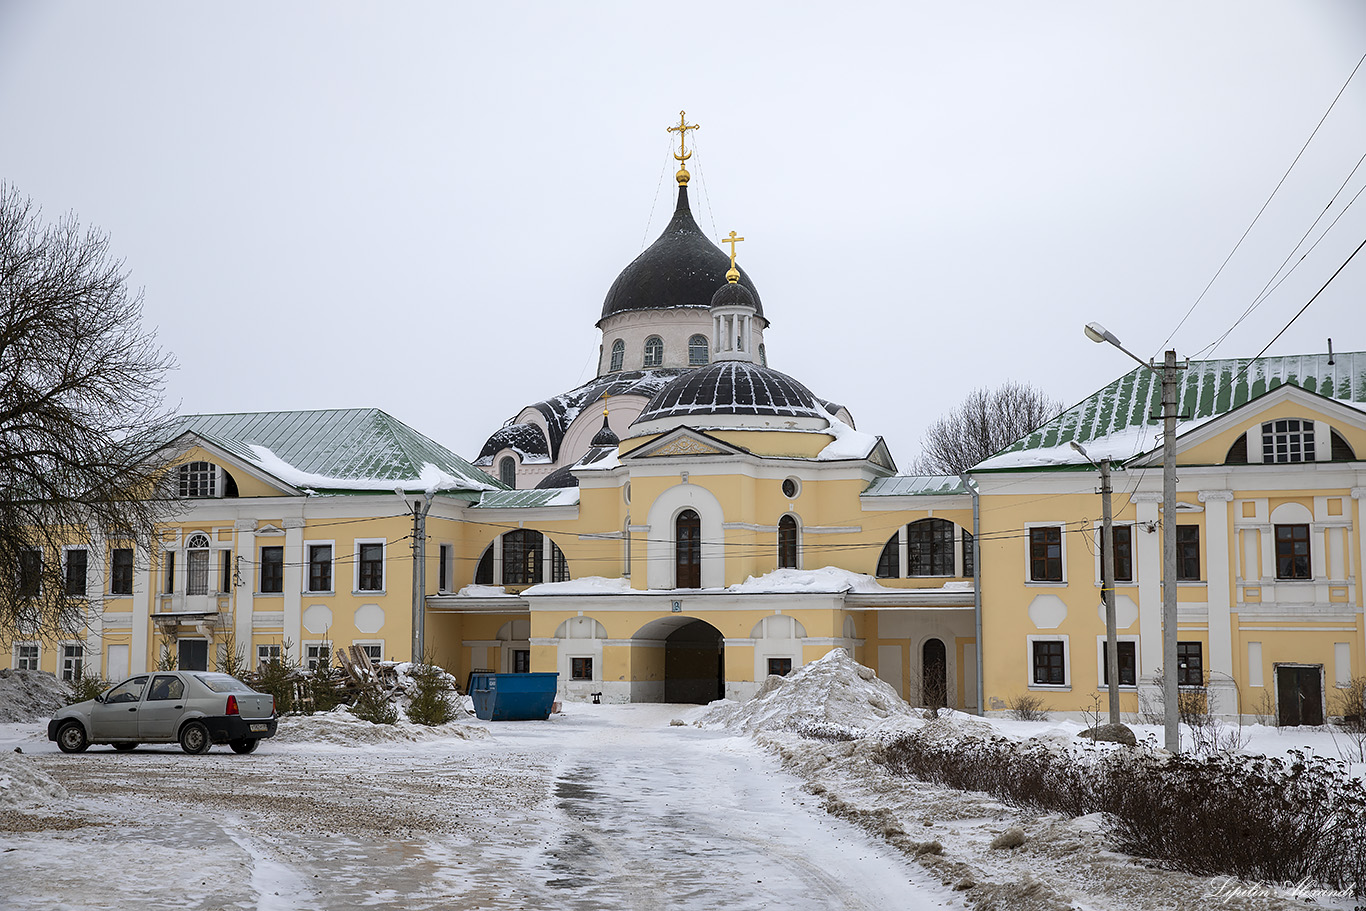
259	728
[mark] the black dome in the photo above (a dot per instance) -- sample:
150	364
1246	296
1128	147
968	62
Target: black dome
732	294
604	436
733	387
680	269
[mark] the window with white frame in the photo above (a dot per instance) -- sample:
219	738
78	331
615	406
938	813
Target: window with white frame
197	564
30	572
580	668
268	653
319	567
373	648
618	356
1048	661
787	541
121	571
443	568
272	575
73	662
654	351
26	656
1126	647
1288	440
1046	563
1122	553
198	479
77	561
698	351
317	654
370	566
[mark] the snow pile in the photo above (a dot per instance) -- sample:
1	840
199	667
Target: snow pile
30	695
23	785
833	694
588	585
483	591
848	443
825	579
344	729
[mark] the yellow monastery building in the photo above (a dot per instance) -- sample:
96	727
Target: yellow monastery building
691	521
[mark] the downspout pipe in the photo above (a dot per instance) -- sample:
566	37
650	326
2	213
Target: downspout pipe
977	586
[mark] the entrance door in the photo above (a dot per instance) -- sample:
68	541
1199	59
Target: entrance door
688	550
694	664
1299	694
194	654
934	681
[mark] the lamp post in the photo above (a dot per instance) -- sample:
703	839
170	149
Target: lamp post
1097	333
1107	584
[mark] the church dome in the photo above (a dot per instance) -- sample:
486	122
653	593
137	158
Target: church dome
680	269
734	388
733	294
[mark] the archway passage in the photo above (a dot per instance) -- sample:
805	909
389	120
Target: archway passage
694	664
934	683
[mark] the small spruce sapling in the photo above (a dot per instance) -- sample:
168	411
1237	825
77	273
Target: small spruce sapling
430	699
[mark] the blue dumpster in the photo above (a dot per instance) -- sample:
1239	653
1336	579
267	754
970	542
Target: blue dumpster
513	697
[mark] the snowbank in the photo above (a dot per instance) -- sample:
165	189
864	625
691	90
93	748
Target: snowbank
30	695
834	693
23	785
341	728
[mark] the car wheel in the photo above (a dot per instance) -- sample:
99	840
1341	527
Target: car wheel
244	744
194	738
124	746
71	738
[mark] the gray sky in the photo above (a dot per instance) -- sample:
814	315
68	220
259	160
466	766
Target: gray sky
420	207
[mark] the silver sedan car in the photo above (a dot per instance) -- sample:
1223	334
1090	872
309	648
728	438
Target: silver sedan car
196	708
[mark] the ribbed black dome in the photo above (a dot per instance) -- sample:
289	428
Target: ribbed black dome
732	294
733	387
604	436
680	269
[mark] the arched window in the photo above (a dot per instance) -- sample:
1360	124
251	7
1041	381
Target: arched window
763	358
654	351
197	564
697	351
507	471
688	550
523	559
934	684
787	542
618	355
889	564
929	547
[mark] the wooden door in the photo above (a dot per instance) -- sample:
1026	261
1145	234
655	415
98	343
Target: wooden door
1299	691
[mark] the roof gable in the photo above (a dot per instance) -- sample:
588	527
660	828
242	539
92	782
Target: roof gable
685	442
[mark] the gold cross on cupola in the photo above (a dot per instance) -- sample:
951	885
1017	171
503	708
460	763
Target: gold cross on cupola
733	274
683	154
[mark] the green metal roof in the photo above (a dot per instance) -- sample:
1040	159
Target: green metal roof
528	499
1114	422
348	449
916	485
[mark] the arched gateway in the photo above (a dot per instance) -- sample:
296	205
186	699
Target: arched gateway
690	659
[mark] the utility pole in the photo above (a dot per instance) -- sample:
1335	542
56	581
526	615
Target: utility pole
420	510
1169	686
1107	589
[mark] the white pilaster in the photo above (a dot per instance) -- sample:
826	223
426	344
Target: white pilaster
294	587
142	607
1149	561
244	589
1223	692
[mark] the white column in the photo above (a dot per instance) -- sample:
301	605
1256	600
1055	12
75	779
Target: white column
1223	692
244	595
1149	583
94	590
294	586
143	593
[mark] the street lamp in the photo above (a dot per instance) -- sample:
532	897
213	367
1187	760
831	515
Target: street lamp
1107	575
1098	333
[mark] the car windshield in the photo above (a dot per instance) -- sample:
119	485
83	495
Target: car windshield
222	683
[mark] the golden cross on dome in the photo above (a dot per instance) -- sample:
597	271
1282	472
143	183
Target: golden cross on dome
733	275
683	154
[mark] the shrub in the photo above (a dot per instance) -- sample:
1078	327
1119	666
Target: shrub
372	706
430	697
1027	708
86	686
277	676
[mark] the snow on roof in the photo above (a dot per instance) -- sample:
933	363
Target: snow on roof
528	499
483	591
916	485
588	585
825	579
352	449
848	443
1114	422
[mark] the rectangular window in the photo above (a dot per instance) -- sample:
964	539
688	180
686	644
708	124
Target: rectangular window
373	650
320	567
1049	663
30	572
443	569
581	668
1045	554
225	573
371	560
197	572
969	555
1128	663
73	662
268	653
121	575
1122	553
779	667
1288	440
929	547
1292	552
1190	668
1188	553
272	570
170	573
521	661
317	655
26	656
76	561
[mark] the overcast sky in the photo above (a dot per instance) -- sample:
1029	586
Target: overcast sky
420	207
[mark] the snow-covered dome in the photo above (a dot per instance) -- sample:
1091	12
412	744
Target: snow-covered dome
735	388
679	269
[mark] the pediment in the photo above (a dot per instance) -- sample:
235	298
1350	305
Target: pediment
192	446
684	442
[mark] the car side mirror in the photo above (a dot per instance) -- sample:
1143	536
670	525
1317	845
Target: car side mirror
99	697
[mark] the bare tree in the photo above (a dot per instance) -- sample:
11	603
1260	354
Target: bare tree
81	416
986	422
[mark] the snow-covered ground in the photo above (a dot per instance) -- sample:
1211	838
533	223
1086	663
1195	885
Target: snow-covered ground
733	805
